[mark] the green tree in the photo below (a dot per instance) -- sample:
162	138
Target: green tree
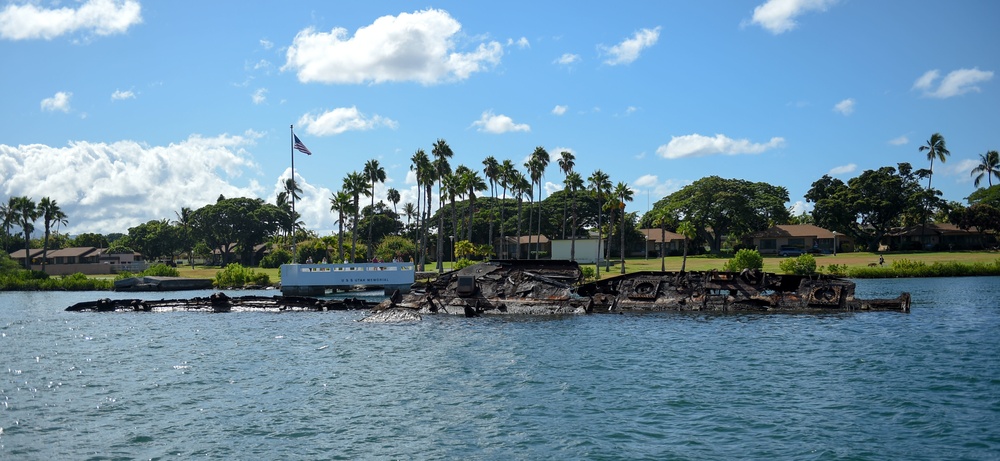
491	169
392	195
341	203
540	161
573	183
88	239
395	247
882	198
357	185
154	239
566	163
601	184
686	229
717	207
624	194
373	173
236	223
989	166
184	235
50	214
442	154
936	149
25	214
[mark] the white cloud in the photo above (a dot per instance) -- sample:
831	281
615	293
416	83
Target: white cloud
567	59
266	44
845	107
657	189
343	119
101	17
120	95
956	83
498	124
521	42
696	145
628	51
899	141
778	16
416	47
259	96
559	110
843	169
801	207
58	102
109	187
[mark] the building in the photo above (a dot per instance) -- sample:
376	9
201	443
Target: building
586	248
85	260
805	237
673	243
939	236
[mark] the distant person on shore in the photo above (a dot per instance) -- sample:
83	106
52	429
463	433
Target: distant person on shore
881	260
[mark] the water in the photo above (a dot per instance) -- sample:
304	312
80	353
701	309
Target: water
301	385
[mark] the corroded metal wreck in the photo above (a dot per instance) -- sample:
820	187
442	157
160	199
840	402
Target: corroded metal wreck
537	287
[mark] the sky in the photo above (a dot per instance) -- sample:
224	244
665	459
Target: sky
125	111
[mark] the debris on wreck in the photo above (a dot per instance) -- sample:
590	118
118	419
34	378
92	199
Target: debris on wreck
537	287
221	302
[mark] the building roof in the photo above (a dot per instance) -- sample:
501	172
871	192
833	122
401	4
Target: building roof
654	235
73	252
932	229
794	231
524	239
19	254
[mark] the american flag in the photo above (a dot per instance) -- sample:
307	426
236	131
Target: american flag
300	147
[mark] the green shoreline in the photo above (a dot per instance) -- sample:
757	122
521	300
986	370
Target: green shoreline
859	265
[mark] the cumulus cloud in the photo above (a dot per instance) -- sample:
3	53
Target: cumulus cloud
899	141
658	189
120	95
416	47
957	82
266	44
259	96
343	119
521	42
696	145
628	51
559	110
100	17
778	16
567	59
109	187
801	207
498	124
59	102
845	107
843	169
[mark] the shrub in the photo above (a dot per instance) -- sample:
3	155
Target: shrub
744	259
160	270
839	270
589	273
804	264
235	275
393	247
462	263
275	259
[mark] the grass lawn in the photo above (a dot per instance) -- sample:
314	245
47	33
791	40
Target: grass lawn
708	262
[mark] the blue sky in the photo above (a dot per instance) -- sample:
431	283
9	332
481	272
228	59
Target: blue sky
125	111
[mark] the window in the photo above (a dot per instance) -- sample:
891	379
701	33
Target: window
768	244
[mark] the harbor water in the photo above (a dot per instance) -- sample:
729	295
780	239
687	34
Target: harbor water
321	385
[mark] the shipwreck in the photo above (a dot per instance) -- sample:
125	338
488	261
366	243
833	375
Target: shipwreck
546	287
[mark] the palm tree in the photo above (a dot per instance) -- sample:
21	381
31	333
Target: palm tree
491	168
989	166
185	220
600	182
507	172
534	173
660	219
410	211
624	194
374	173
686	229
566	163
453	189
25	215
442	153
573	183
50	214
541	157
935	148
520	186
355	184
392	195
420	165
472	183
9	217
341	203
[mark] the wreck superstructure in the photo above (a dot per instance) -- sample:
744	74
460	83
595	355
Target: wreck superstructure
551	287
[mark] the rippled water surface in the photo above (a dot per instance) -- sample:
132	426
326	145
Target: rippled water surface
298	385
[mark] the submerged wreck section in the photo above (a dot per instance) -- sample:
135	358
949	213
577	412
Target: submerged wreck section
531	287
749	290
550	287
220	302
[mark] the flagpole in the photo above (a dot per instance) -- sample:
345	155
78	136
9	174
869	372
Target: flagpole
291	143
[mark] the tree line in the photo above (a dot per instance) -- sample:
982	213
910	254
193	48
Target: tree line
478	208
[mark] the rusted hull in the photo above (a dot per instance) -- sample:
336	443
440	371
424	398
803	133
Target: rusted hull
220	302
549	287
